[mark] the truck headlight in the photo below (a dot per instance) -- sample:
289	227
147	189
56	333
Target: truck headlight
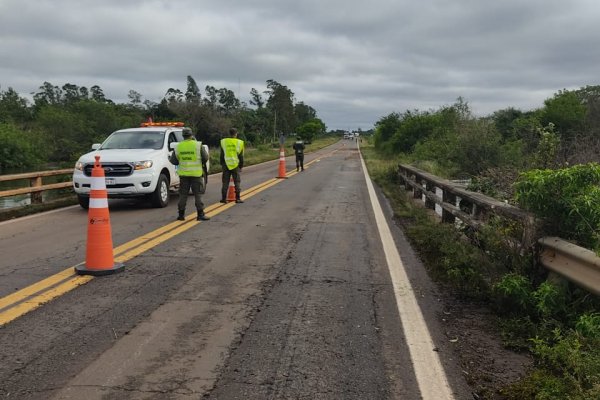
142	164
79	166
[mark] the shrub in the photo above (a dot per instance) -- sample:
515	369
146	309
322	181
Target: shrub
567	199
19	149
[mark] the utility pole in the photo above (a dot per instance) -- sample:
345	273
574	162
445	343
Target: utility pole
275	127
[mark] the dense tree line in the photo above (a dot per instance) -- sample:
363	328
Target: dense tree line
451	141
62	122
527	158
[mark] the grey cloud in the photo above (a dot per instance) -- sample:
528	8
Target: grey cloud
354	62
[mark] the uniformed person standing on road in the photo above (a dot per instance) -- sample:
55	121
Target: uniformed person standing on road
232	162
299	150
191	159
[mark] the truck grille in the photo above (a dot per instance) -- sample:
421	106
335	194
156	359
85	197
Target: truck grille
111	169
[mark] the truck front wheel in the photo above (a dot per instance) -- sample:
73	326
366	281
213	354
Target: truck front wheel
160	196
84	201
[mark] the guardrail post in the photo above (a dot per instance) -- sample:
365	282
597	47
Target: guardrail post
36	197
417	193
429	203
447	216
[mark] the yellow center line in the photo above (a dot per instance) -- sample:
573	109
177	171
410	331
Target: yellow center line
36	287
33	296
33	303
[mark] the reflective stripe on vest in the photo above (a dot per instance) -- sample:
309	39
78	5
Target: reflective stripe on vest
231	148
190	158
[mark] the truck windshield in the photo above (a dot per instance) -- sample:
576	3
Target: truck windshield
134	140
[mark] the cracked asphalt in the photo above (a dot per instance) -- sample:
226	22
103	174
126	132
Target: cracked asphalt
286	296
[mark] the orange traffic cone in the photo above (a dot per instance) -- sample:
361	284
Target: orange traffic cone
231	190
99	252
282	163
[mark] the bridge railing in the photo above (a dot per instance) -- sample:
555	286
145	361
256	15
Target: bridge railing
577	264
36	186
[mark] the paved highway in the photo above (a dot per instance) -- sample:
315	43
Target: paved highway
305	291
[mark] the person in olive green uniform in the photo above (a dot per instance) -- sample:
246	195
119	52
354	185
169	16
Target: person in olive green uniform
232	162
299	151
191	158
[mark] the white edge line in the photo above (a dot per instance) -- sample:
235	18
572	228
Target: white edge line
431	377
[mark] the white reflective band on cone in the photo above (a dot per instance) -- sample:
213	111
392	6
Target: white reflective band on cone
98	183
98	203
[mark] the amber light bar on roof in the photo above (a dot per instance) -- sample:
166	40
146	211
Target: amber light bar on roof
145	124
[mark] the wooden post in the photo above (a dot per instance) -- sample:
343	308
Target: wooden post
36	197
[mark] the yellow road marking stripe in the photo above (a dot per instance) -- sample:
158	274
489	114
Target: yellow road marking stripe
125	252
36	287
32	304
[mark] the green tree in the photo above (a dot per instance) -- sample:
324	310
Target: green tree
211	98
504	119
566	111
19	149
135	99
385	129
192	94
97	94
566	199
281	102
228	103
48	94
71	93
13	107
304	113
256	99
309	130
64	131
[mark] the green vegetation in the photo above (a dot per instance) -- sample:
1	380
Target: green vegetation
63	122
543	161
568	199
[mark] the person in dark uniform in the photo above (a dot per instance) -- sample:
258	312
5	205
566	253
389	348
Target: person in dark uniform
299	151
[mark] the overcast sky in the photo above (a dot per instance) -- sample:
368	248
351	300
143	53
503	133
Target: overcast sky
353	61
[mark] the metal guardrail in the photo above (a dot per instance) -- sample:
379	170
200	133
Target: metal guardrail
36	186
579	265
576	264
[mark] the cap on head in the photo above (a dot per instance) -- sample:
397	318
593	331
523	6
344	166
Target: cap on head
186	132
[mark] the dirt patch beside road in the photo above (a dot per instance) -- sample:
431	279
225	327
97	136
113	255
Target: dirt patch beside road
487	365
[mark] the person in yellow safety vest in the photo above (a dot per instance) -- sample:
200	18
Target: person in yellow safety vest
191	158
232	162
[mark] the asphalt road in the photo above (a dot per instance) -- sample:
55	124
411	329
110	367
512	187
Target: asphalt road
287	296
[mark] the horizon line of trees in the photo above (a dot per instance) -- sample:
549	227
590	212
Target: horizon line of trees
62	122
545	160
564	131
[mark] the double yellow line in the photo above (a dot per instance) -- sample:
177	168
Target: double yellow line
28	299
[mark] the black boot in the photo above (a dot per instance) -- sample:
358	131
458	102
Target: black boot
181	217
201	216
238	200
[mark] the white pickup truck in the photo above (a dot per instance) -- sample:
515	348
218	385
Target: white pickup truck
135	162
